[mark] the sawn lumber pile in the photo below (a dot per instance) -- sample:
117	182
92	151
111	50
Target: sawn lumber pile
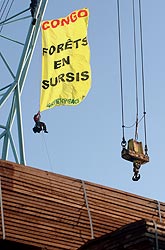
139	235
52	211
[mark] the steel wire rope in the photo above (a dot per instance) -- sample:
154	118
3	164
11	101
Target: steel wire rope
135	123
7	12
16	20
135	69
143	80
123	143
12	17
3	10
2	6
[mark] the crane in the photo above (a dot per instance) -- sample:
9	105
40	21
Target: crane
14	90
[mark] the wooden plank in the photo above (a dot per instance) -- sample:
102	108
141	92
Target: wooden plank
49	209
109	193
36	186
133	236
14	168
65	198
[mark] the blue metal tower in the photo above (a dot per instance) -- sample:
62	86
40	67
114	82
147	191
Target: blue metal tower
14	89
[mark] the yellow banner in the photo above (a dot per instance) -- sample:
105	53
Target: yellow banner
66	73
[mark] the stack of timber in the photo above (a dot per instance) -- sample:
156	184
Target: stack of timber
53	212
140	235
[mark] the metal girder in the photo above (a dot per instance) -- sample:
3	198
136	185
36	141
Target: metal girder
15	89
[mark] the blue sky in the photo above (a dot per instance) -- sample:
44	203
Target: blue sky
84	141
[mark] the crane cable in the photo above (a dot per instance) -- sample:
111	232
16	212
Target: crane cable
135	68
123	143
143	82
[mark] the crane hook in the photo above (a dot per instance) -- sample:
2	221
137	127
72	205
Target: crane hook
136	168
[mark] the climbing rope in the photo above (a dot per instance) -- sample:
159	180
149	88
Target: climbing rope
47	152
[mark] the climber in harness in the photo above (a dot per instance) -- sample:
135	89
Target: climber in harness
39	126
33	7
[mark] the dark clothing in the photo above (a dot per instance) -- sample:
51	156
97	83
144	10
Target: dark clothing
38	124
33	6
42	126
37	117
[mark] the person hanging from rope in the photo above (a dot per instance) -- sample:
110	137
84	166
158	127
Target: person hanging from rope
33	6
39	126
